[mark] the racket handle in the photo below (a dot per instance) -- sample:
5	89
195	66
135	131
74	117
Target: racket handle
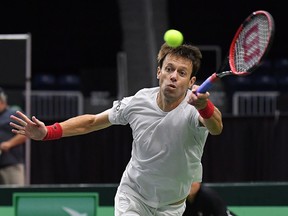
207	84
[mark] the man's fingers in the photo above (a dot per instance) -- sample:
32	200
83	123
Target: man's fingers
36	121
23	120
23	117
16	131
16	126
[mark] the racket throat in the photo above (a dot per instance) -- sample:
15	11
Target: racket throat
214	77
224	73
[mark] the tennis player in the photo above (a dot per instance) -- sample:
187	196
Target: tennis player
170	124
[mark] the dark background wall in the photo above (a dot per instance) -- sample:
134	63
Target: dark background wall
84	38
69	37
217	21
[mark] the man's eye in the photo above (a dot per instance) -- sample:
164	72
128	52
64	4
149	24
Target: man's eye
168	69
182	73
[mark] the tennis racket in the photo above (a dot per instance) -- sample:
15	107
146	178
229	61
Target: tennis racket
249	46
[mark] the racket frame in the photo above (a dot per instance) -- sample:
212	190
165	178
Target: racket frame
207	84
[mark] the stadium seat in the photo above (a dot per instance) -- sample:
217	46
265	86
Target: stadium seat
281	71
68	82
264	78
43	81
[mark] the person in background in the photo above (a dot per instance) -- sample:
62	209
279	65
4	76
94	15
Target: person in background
204	201
170	124
11	147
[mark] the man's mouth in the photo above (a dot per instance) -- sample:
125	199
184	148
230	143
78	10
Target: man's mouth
172	86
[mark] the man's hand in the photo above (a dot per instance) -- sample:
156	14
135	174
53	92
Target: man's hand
33	128
199	100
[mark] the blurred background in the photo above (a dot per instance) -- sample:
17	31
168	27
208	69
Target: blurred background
83	55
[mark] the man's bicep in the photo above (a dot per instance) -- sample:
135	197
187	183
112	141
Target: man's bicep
102	119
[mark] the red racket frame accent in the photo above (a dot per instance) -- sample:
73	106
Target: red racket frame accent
253	29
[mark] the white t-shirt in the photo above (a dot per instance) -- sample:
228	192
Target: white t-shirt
166	151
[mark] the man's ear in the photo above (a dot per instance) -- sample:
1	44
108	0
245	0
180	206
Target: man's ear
158	72
192	81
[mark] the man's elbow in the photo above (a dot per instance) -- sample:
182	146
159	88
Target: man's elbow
217	130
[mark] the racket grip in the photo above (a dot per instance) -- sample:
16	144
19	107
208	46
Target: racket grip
207	84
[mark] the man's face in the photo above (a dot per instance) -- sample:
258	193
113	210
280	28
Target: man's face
2	105
174	77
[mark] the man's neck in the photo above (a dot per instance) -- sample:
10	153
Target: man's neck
167	105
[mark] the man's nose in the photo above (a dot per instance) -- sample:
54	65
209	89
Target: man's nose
174	74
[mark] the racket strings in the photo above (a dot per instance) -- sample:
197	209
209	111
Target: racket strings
252	43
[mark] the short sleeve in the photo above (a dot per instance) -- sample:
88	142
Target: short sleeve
117	114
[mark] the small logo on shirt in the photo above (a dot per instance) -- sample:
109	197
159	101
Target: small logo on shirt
118	106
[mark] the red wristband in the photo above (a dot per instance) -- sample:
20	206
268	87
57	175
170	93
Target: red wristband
53	132
208	111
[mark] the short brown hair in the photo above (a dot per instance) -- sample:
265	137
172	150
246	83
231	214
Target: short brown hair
188	51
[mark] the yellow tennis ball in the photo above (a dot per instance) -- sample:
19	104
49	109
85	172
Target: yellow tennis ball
173	38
